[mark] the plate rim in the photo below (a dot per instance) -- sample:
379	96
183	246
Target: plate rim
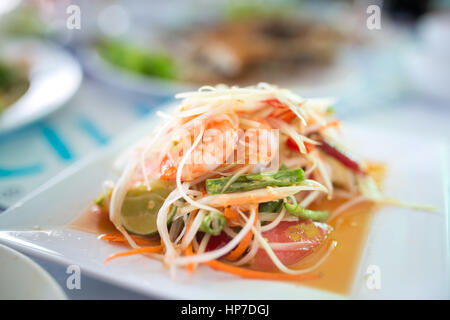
35	267
118	143
53	107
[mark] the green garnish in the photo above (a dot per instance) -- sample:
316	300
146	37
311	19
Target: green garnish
305	214
138	60
330	110
100	201
213	223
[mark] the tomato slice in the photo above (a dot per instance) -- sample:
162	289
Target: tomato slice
305	237
217	242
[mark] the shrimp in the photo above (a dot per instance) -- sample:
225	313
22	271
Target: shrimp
218	142
257	145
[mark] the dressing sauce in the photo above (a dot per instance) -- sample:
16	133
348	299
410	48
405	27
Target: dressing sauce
350	232
337	272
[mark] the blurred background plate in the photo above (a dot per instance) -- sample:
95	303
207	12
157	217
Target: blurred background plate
54	77
104	72
24	279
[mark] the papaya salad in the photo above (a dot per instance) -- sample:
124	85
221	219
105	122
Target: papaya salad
230	179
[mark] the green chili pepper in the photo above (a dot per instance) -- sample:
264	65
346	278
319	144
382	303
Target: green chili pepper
213	223
306	214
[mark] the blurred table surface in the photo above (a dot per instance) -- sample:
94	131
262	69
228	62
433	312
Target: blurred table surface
98	114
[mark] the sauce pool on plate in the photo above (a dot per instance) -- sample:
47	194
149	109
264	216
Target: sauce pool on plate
337	272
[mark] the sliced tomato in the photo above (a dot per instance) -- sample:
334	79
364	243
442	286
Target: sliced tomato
217	242
305	236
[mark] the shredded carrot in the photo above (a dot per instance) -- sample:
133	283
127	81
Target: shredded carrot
243	245
252	274
190	267
156	249
118	237
231	215
275	103
288	116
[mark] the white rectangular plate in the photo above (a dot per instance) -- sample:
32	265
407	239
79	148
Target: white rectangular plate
409	249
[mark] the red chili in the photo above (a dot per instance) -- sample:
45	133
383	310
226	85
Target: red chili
340	156
330	150
293	145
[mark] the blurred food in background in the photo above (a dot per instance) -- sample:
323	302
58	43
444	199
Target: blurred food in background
242	45
14	81
256	47
134	58
312	47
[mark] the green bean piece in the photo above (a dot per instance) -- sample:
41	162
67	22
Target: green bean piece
245	182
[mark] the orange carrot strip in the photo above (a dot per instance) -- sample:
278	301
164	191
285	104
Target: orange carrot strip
118	237
231	215
275	103
190	267
243	245
156	249
288	116
252	274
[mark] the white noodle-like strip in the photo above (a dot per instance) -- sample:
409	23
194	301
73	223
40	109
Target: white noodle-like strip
183	231
266	246
235	177
215	254
260	195
289	246
309	199
347	205
203	243
275	222
193	229
117	198
179	171
161	223
326	177
229	232
147	149
254	246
